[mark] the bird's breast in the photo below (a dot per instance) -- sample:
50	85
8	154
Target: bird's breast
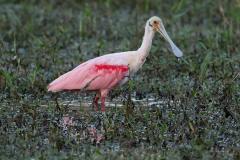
134	67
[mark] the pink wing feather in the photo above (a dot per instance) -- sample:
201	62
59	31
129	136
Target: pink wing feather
103	72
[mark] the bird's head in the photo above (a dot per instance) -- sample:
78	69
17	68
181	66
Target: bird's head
155	24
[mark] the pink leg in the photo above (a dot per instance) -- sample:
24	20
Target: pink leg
103	104
95	101
104	94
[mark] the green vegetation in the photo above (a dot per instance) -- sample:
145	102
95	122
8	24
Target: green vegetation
200	116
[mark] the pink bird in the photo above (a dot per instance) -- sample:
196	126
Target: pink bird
106	72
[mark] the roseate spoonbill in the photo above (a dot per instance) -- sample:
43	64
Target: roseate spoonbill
106	72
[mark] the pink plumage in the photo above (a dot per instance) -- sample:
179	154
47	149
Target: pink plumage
100	74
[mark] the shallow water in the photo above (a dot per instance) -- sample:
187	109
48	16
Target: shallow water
150	101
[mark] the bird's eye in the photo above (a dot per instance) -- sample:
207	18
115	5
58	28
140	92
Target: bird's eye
155	22
150	24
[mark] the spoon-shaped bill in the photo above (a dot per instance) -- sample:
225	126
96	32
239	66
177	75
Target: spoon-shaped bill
175	49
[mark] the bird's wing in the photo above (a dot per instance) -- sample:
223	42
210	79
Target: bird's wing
99	73
106	76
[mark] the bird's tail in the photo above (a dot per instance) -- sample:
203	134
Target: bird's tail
72	80
58	84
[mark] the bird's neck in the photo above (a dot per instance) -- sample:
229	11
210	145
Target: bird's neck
146	43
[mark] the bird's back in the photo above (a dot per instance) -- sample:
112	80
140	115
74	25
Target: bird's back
98	73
